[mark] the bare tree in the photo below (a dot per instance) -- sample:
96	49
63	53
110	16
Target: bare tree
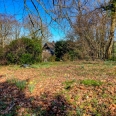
34	29
90	23
7	28
111	7
92	29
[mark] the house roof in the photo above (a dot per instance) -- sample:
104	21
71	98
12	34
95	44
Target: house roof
50	45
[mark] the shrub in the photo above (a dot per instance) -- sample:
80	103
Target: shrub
113	58
61	48
2	56
1	52
66	57
75	54
26	58
68	50
24	50
52	58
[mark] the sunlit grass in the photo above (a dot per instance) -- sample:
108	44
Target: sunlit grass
90	82
19	84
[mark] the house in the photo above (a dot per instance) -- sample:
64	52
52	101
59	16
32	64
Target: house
50	47
48	51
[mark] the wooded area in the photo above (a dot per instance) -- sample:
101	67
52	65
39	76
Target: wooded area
89	26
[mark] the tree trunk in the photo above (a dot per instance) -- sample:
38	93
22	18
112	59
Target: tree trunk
111	37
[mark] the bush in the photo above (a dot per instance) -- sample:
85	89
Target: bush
113	58
66	57
52	58
68	50
75	54
3	60
24	50
26	58
61	48
1	52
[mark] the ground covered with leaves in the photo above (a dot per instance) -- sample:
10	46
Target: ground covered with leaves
80	88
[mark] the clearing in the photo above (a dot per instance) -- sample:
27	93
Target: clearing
80	88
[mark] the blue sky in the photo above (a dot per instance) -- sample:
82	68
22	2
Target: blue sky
16	8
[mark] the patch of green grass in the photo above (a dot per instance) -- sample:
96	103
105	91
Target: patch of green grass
105	95
67	96
114	99
76	97
91	82
11	80
94	102
69	84
31	85
20	84
98	114
44	65
81	67
79	112
110	63
38	111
